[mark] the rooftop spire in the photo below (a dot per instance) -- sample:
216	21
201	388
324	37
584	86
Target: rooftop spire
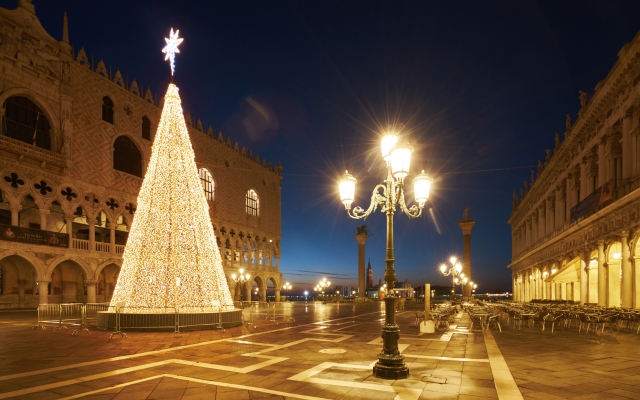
65	29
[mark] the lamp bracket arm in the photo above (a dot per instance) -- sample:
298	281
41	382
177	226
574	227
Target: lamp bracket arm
376	199
413	211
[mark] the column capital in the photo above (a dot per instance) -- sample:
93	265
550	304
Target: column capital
43	212
91	282
362	239
112	225
16	207
466	226
624	234
43	281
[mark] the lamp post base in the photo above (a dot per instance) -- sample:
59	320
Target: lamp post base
390	363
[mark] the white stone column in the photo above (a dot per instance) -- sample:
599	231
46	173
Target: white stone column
603	163
43	218
552	287
602	276
563	291
627	146
613	284
627	274
92	233
263	293
584	276
112	237
549	216
583	179
277	294
514	288
69	223
15	217
542	224
636	277
247	289
569	202
594	287
43	288
91	290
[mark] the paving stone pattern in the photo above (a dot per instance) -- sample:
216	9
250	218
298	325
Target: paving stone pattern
327	353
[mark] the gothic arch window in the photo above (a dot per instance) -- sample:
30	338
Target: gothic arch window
107	109
207	183
127	157
24	121
252	203
146	128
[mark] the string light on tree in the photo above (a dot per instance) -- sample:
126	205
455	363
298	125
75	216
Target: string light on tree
172	260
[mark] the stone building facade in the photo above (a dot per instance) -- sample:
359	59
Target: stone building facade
75	143
575	224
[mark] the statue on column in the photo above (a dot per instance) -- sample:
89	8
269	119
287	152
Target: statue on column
362	230
465	214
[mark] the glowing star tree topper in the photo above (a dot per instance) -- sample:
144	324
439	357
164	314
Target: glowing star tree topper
172	48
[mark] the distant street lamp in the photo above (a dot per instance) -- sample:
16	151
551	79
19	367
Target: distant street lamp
321	286
286	287
455	270
241	280
389	196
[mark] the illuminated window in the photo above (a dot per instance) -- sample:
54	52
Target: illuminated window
146	128
253	203
24	121
107	109
126	156
207	183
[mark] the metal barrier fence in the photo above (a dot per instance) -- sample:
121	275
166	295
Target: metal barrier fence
82	316
65	315
250	311
48	315
280	310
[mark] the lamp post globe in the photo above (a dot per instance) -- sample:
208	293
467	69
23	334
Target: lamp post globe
389	196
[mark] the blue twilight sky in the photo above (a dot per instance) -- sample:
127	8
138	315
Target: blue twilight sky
472	85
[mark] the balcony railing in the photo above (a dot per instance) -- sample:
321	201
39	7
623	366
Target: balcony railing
33	236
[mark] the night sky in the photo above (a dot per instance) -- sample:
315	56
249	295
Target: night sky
473	86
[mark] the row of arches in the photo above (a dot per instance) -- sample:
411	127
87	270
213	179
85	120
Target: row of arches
24	282
606	273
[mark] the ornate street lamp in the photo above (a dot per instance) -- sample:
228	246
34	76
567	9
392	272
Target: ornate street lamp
241	279
388	196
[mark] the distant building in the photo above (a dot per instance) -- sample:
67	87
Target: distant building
403	289
74	146
575	223
369	276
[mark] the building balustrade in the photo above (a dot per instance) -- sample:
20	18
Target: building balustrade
625	187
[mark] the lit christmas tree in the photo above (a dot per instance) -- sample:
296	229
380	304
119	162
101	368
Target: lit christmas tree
172	261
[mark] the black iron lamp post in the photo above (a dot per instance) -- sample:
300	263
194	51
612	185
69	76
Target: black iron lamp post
389	196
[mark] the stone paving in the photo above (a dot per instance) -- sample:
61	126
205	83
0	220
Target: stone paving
327	353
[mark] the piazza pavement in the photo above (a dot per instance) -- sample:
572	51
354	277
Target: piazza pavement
326	353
